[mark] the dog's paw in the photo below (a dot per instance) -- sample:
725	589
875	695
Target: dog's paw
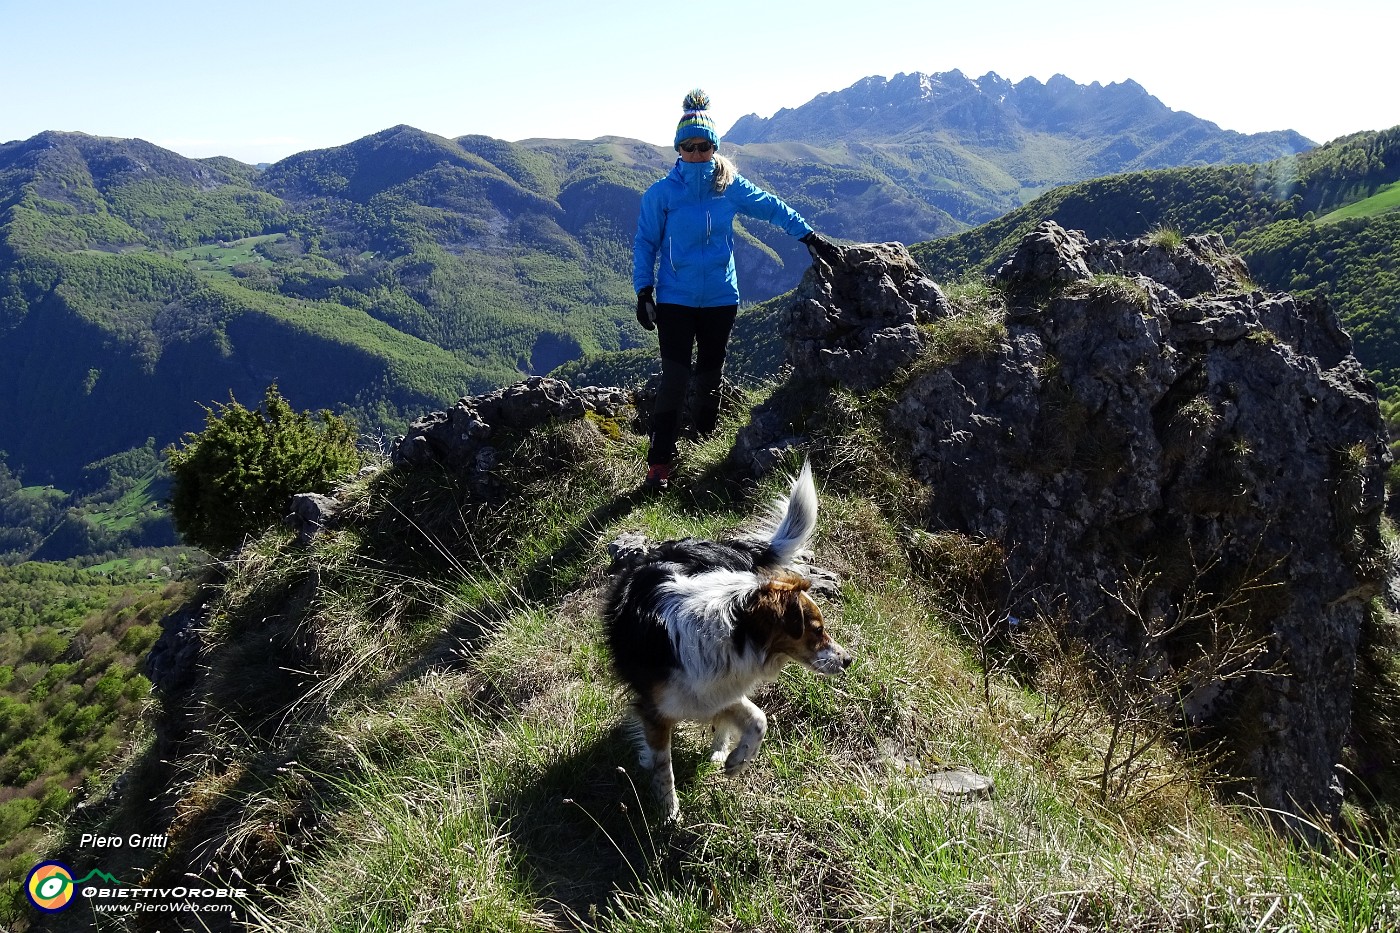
719	749
667	804
744	752
737	761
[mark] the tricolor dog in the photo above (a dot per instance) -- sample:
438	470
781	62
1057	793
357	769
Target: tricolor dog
694	626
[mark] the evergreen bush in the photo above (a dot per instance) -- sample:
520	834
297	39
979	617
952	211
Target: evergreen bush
235	478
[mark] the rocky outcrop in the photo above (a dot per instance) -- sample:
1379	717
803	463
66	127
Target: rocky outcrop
462	438
855	326
861	327
172	661
1151	432
309	514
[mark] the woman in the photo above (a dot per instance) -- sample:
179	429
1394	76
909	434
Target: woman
687	221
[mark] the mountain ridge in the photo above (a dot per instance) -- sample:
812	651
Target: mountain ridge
990	105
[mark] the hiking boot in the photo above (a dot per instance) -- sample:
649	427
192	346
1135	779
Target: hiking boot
658	477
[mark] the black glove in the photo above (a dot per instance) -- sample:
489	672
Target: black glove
820	247
646	309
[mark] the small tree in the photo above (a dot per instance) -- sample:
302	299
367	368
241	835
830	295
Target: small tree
236	477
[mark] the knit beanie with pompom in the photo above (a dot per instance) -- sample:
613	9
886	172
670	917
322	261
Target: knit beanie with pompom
695	122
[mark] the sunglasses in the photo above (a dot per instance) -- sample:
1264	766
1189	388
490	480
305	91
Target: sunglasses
697	147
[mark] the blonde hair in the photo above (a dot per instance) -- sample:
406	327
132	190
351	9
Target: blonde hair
724	173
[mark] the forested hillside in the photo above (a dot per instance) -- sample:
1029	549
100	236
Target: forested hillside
72	690
138	286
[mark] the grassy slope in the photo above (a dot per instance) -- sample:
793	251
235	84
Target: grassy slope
452	759
1385	200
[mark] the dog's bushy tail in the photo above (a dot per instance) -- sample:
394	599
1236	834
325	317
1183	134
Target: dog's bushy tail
794	518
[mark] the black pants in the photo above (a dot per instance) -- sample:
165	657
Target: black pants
681	330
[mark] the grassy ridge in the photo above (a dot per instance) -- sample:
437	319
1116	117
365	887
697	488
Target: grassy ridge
412	725
1384	200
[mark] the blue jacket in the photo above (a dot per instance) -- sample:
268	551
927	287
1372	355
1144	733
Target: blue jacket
690	228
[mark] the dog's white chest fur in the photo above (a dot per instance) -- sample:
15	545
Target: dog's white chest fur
699	619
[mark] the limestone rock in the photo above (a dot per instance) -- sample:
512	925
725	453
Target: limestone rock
171	662
310	512
1049	256
1202	265
460	438
1149	416
627	549
959	782
855	322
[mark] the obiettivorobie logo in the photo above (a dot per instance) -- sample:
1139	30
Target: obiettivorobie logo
51	888
50	885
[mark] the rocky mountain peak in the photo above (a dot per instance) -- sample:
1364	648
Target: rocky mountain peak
950	103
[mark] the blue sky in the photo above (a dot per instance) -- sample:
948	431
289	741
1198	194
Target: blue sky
260	80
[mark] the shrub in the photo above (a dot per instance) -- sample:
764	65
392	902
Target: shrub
235	478
138	639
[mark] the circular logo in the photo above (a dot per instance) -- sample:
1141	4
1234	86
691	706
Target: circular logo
50	886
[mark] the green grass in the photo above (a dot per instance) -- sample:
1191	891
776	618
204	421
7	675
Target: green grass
41	493
1386	199
977	326
412	725
137	503
1167	238
220	258
128	566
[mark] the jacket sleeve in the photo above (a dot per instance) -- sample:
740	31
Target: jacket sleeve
651	224
753	201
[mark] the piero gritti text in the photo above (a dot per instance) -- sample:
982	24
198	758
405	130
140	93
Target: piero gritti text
133	841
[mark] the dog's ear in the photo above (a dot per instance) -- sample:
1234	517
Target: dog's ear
780	600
